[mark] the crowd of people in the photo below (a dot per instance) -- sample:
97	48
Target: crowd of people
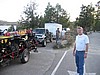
60	35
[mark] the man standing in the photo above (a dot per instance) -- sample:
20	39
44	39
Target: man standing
57	35
80	50
63	34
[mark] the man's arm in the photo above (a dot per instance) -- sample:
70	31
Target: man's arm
86	51
87	46
74	49
87	43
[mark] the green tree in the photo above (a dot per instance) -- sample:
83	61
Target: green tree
11	28
49	13
58	11
97	20
52	14
61	16
56	15
86	17
41	21
30	19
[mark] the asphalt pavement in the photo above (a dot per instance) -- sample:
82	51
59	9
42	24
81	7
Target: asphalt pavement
92	63
56	62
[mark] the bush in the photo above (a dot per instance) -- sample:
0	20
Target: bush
70	39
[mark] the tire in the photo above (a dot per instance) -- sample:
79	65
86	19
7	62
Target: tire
25	56
44	43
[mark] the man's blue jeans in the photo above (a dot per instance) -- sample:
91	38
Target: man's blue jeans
57	39
79	57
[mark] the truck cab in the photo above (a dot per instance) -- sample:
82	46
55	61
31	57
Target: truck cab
43	35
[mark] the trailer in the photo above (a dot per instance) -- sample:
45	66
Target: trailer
52	27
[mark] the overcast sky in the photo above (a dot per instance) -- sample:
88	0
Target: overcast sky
10	10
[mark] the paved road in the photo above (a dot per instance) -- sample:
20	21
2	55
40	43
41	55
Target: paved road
37	65
56	62
92	63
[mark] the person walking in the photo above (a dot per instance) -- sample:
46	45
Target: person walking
80	50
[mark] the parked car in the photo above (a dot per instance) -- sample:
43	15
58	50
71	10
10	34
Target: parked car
43	35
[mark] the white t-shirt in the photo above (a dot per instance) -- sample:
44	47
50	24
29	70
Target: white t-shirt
81	41
63	32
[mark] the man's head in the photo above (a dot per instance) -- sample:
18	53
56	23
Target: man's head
30	28
80	30
57	28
